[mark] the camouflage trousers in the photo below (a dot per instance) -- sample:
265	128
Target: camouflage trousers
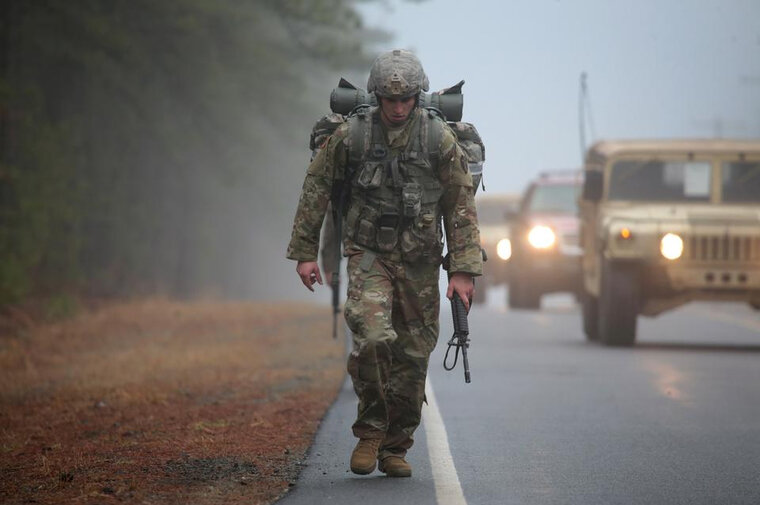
392	310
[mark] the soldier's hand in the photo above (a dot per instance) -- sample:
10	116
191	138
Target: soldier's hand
308	271
463	285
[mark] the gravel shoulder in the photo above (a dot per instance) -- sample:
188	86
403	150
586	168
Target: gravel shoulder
164	402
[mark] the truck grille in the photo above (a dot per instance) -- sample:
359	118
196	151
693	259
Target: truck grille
723	248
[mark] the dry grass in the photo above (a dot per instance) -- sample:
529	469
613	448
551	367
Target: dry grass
164	402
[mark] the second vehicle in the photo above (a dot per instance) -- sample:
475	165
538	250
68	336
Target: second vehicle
545	246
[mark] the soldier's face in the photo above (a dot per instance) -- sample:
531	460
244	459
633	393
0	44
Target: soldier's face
395	111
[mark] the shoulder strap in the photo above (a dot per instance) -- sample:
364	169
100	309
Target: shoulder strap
432	128
359	135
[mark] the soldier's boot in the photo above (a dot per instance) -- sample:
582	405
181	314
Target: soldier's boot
395	466
364	457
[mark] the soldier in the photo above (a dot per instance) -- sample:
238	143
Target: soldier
405	176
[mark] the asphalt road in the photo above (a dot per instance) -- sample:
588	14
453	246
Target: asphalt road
552	419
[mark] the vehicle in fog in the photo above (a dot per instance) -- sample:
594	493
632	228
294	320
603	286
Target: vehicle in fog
545	231
664	223
494	210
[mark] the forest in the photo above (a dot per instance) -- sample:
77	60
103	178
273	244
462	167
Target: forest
157	148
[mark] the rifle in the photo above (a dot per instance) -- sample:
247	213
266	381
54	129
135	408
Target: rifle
335	280
461	337
335	285
338	200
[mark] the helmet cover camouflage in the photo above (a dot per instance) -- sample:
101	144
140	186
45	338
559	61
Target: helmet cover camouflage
397	73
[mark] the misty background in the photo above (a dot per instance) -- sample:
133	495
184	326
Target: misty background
159	147
656	69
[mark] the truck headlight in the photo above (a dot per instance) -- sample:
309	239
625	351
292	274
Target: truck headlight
541	237
504	249
671	246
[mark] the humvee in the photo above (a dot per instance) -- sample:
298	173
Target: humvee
494	210
664	223
544	230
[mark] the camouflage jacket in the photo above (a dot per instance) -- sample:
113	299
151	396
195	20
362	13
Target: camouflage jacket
456	204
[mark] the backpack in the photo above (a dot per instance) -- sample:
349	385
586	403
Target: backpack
448	100
471	143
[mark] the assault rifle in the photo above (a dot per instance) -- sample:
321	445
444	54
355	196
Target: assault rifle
335	281
337	202
461	337
335	285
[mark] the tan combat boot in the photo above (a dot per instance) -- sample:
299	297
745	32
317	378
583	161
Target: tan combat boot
395	466
364	457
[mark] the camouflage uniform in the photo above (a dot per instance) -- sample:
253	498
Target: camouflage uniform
329	248
392	305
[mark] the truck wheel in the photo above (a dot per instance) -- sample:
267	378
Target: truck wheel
618	304
590	316
522	295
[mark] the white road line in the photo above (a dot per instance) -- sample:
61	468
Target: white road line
448	490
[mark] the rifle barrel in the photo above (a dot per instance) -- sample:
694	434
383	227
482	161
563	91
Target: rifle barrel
335	284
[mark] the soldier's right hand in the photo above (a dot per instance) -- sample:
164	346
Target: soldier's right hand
309	273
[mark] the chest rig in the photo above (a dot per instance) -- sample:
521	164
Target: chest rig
394	204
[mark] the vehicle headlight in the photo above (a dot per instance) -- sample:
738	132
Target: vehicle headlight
541	237
504	249
671	246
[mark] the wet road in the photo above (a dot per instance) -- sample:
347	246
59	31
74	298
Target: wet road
552	419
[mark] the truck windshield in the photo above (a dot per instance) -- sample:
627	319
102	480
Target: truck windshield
555	198
493	211
741	181
660	181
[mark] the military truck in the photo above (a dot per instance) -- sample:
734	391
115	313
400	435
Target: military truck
664	223
545	251
494	210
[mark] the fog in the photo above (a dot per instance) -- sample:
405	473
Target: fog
160	148
655	69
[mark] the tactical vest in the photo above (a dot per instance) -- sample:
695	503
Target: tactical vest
394	199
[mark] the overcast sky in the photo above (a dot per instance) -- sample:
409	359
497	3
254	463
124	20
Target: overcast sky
656	68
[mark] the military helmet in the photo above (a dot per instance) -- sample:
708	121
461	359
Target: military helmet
397	73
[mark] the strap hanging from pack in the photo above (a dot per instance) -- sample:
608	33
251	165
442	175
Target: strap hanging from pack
360	135
432	134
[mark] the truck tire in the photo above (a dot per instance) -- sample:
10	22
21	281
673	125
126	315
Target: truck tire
590	316
618	304
522	295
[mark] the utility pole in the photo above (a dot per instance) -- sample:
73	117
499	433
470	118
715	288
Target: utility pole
584	113
752	81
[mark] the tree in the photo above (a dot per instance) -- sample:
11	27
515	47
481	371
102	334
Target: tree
139	138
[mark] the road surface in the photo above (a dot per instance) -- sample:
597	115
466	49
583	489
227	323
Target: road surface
552	419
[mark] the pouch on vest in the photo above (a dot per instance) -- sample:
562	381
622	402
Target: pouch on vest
387	232
411	195
366	228
422	240
370	176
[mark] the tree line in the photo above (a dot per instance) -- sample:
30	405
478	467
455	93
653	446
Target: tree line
142	143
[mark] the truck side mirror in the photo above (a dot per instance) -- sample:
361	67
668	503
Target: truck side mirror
592	185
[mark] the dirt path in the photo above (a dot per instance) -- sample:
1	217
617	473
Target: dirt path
162	403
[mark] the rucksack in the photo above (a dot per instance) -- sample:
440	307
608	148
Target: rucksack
448	100
347	100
